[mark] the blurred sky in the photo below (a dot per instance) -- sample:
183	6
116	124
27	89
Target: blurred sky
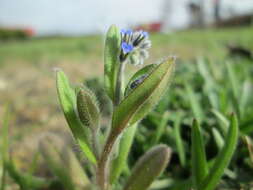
89	16
76	16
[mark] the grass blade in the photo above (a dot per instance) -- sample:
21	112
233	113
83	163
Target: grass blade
160	128
209	87
179	140
24	180
245	96
235	88
223	121
233	79
5	146
249	144
199	163
223	158
218	138
195	103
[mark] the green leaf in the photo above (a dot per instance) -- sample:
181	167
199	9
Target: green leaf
199	163
249	144
223	159
87	108
143	98
160	128
24	180
178	139
63	163
245	96
246	127
218	138
195	103
67	100
111	60
4	146
120	162
148	167
236	88
181	184
3	177
210	85
205	73
161	184
224	122
233	79
142	72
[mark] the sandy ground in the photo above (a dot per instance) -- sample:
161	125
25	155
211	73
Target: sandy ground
31	93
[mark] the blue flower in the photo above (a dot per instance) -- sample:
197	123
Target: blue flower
145	34
123	31
126	47
134	46
126	31
129	32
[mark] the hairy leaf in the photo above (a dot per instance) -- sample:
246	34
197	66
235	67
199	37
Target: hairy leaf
124	147
68	104
111	60
143	98
63	163
145	71
149	166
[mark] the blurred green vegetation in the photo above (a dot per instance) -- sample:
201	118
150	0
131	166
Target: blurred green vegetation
185	44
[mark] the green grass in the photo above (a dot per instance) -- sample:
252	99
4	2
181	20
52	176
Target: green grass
34	50
208	42
185	44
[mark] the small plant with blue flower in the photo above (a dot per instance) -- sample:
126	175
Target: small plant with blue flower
107	150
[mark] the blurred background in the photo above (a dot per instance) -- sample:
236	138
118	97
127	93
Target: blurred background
78	17
213	40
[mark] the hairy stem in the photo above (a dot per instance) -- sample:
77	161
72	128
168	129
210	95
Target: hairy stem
95	143
119	83
102	169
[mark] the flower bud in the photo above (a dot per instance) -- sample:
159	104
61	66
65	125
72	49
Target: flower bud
87	108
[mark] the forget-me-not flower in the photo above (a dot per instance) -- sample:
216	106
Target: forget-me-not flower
134	45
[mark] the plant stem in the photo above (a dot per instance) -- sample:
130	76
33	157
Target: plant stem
102	169
95	143
119	83
102	176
